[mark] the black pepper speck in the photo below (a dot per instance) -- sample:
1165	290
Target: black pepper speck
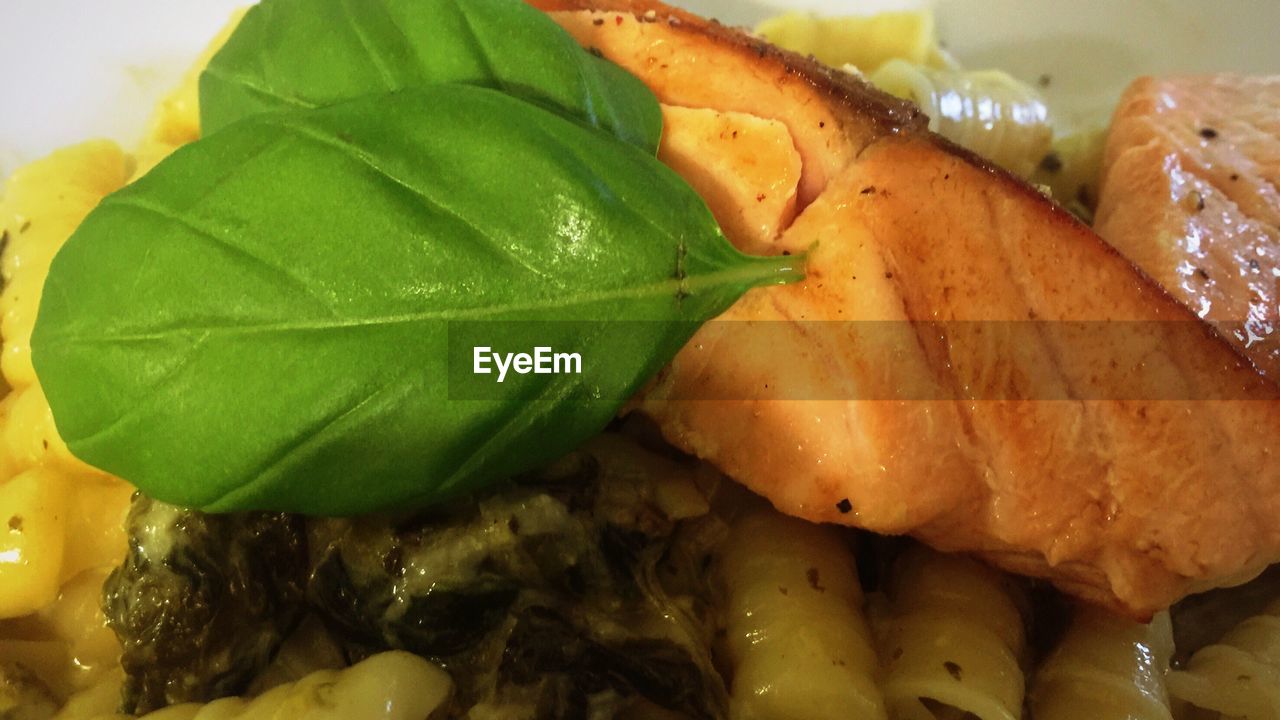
1051	163
814	581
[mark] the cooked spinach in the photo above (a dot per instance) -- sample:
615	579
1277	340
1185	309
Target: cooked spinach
572	592
202	602
542	598
267	320
574	673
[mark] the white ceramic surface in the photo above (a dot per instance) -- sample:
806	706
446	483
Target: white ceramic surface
72	69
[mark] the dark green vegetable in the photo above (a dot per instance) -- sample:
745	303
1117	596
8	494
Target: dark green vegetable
202	602
292	54
545	598
572	672
264	321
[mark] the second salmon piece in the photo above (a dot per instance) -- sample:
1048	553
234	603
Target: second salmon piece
1191	194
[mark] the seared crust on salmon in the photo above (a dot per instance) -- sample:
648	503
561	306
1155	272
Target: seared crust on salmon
1129	471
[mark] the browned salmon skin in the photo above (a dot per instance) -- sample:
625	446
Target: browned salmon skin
1128	472
1191	194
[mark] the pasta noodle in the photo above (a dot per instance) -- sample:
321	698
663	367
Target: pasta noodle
389	686
61	522
953	642
33	505
986	111
42	666
1106	667
40	516
1072	170
100	700
21	697
797	640
865	42
1240	676
77	618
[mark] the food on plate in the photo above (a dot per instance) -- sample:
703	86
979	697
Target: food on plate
1189	193
986	111
201	602
954	636
62	526
1071	169
380	343
796	635
539	594
1061	490
1238	676
391	686
744	166
1106	666
327	347
864	41
910	341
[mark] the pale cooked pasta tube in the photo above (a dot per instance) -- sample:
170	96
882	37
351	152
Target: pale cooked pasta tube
987	111
797	639
864	41
1106	667
1239	677
953	641
392	685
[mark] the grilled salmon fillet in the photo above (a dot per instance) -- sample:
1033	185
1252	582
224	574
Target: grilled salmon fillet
1191	193
965	362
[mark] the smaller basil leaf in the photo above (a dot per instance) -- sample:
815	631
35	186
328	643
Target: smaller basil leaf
263	321
297	54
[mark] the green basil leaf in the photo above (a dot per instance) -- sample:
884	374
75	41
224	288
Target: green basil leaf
292	54
262	321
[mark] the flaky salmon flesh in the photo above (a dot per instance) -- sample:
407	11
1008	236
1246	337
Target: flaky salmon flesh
1130	470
